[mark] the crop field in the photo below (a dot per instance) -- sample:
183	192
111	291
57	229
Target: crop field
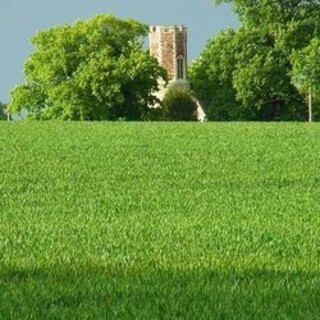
159	220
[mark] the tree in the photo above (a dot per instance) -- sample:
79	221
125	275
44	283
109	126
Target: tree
273	12
247	74
306	66
261	79
92	70
178	103
306	74
241	75
211	77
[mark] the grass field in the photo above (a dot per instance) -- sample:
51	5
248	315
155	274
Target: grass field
159	221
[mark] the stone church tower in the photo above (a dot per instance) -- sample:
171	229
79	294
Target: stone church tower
169	46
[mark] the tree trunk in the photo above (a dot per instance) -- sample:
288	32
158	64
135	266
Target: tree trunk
310	104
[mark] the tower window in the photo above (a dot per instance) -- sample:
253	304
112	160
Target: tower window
180	70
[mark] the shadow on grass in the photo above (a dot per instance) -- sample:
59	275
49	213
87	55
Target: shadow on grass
102	293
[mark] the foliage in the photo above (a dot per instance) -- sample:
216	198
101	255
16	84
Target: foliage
273	12
243	76
178	103
211	77
306	72
247	74
92	70
306	66
261	79
3	115
140	220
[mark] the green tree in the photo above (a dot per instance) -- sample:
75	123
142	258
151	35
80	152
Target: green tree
306	66
291	23
211	77
273	12
261	79
91	70
178	104
306	73
241	75
247	74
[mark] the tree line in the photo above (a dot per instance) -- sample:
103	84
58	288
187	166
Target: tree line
98	69
94	69
265	70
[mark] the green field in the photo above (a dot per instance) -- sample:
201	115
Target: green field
159	221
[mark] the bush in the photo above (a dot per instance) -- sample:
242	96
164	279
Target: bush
3	115
178	104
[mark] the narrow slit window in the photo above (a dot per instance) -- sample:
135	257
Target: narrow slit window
180	70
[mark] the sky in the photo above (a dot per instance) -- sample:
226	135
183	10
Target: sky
20	19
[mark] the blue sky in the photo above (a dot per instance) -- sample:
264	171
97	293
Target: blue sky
20	19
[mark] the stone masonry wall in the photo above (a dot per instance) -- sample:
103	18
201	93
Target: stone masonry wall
168	44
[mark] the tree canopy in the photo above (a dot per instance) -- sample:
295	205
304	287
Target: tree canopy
306	66
251	73
94	69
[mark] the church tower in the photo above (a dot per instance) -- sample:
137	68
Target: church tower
169	46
